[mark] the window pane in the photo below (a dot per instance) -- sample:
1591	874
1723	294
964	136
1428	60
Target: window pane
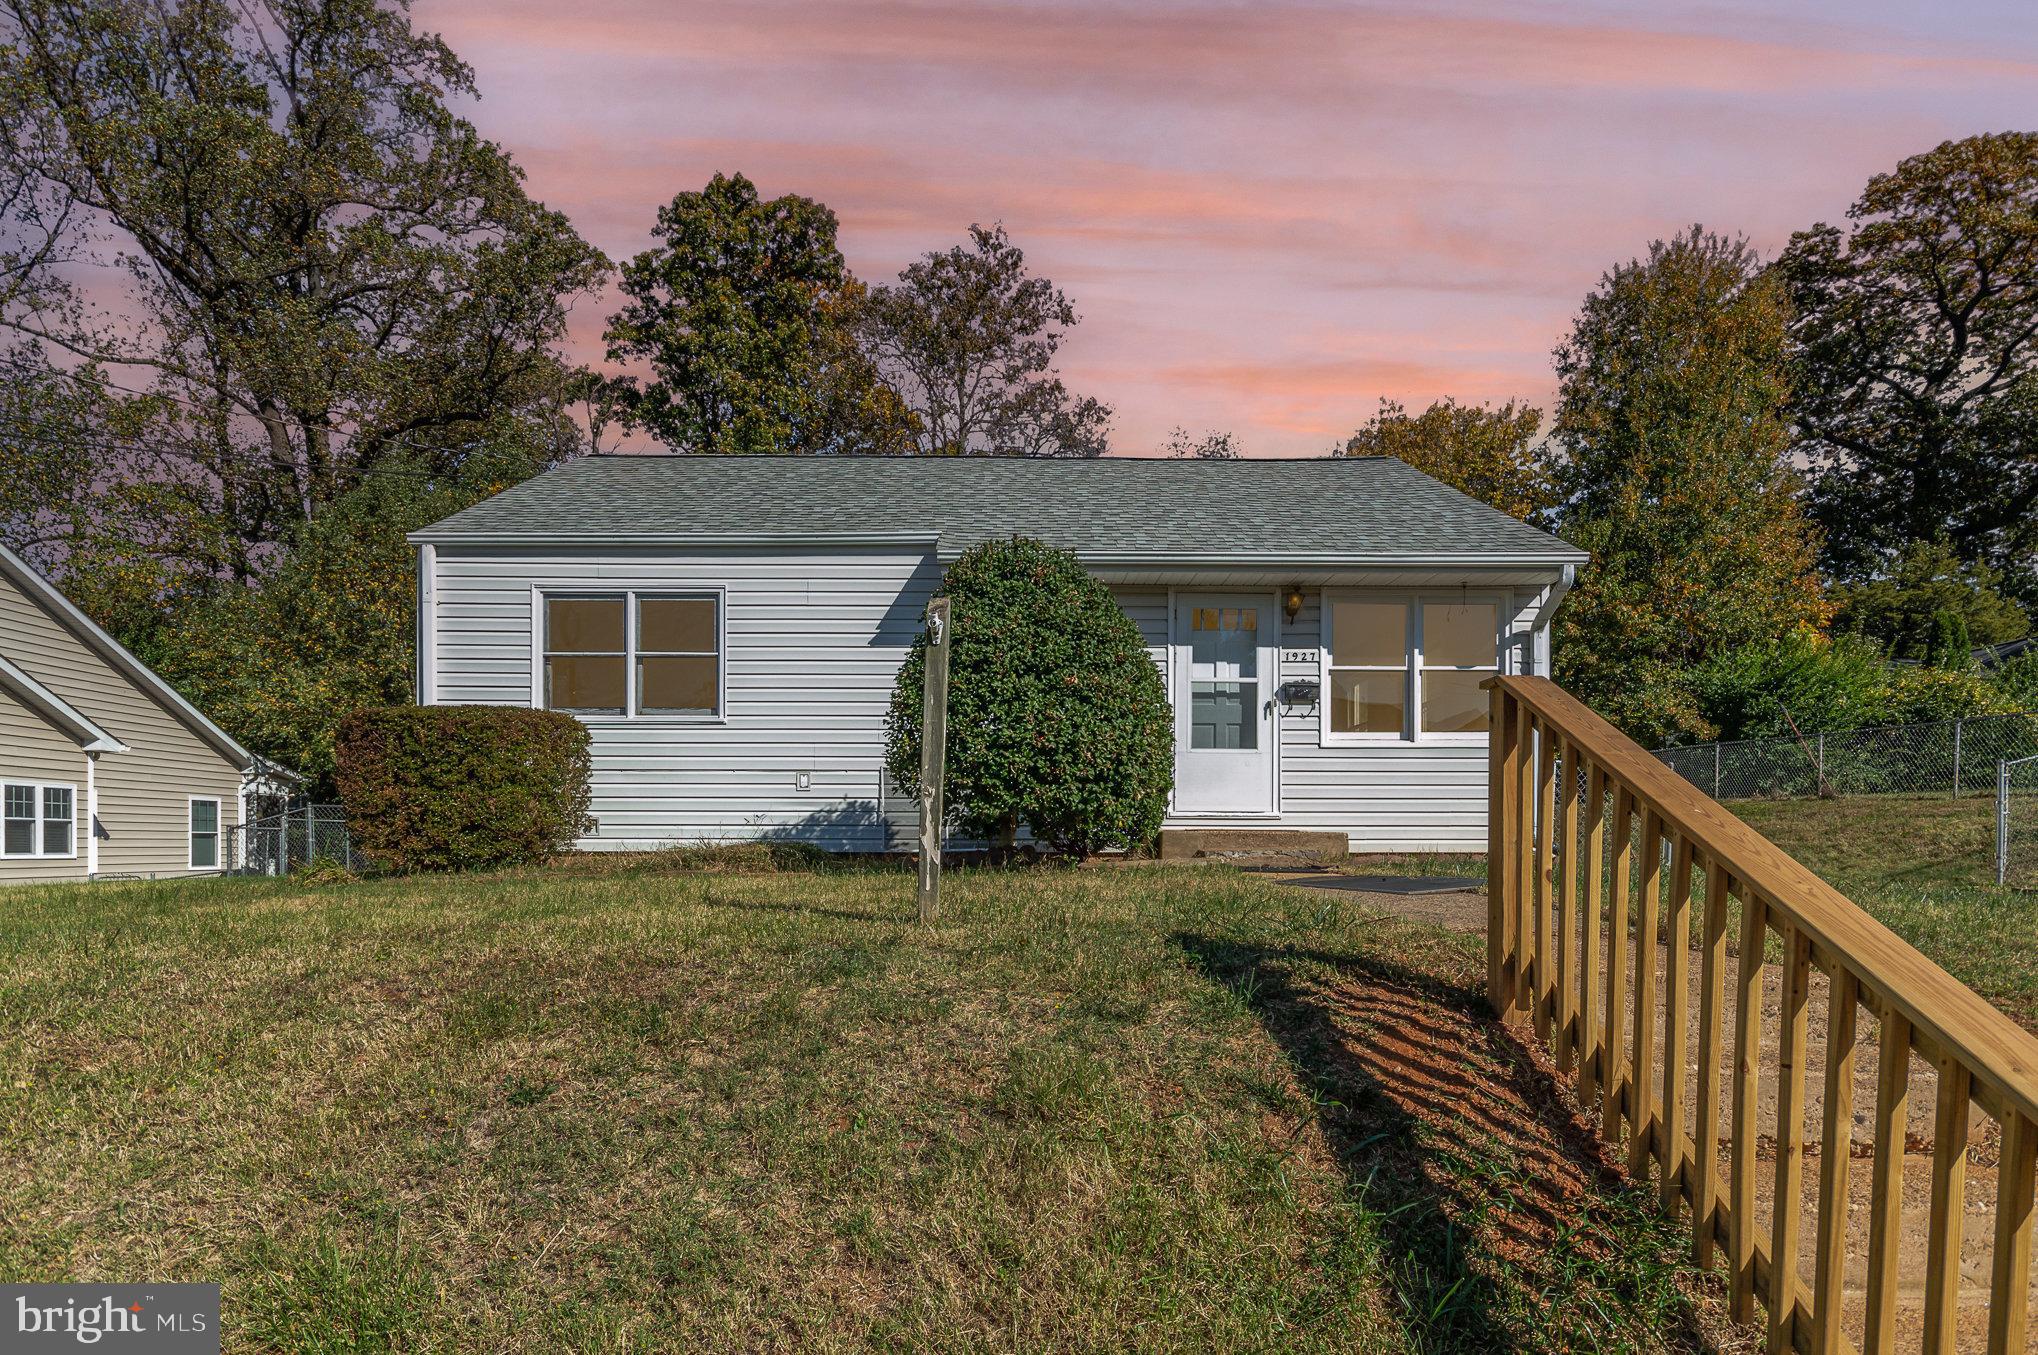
592	684
20	837
584	624
677	686
204	816
685	625
1452	703
1224	715
204	850
1369	633
21	802
1224	643
56	837
1368	703
1459	634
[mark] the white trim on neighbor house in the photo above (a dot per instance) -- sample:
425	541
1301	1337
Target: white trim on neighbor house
191	833
1412	669
91	814
37	844
59	712
631	593
89	632
565	538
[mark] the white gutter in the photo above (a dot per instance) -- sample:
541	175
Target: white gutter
1539	620
428	537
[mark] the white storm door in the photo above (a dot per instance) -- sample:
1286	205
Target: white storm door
1225	659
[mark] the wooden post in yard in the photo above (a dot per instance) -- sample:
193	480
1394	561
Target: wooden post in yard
933	757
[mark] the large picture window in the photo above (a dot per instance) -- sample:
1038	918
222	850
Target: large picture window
1406	667
632	654
38	819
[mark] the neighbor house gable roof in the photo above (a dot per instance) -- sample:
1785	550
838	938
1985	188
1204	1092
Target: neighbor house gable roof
1108	510
59	712
95	638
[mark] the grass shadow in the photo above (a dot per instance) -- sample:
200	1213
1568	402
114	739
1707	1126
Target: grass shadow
1502	1224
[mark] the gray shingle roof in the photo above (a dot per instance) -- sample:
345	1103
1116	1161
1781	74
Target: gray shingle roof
1320	508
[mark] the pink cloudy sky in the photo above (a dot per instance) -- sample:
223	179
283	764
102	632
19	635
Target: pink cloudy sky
1270	214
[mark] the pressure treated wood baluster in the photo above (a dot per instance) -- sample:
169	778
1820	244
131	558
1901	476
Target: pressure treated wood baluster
1783	1280
1565	859
1523	864
1642	1081
1617	962
1590	1044
1712	972
1543	1000
2009	1293
1949	1188
1886	1199
1676	1014
1747	1069
1829	1249
1502	823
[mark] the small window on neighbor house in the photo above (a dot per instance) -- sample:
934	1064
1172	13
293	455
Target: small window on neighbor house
633	653
204	834
57	817
19	829
37	820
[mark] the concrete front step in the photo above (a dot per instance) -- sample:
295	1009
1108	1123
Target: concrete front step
1186	844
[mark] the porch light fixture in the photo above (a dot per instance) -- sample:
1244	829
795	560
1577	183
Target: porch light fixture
1291	604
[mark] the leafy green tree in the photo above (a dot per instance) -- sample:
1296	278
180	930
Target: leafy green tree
1759	690
1928	580
333	627
1674	474
318	266
1950	648
1057	719
968	338
745	313
1490	454
1916	342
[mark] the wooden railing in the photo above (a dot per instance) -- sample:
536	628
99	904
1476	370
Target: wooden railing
1579	908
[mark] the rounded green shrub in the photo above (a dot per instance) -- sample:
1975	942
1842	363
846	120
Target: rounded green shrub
462	787
1058	721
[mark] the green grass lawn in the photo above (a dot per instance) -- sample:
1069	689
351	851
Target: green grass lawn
1924	865
642	1108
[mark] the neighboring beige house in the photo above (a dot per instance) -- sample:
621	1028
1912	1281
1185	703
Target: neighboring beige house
104	769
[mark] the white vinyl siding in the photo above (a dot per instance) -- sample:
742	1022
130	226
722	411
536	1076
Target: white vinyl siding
811	642
1389	795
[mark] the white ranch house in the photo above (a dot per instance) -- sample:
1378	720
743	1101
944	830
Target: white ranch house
730	628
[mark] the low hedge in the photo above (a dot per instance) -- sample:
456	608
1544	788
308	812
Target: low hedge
459	787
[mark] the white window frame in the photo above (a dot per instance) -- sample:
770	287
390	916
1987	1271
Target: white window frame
218	832
1411	731
630	593
37	853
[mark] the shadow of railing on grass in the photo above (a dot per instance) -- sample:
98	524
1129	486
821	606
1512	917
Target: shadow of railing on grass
1447	1134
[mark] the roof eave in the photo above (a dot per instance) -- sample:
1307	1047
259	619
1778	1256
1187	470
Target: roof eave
89	632
59	712
432	537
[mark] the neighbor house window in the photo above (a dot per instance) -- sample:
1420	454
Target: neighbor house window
1405	667
633	653
38	819
204	834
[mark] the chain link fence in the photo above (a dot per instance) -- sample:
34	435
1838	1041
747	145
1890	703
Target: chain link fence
1950	757
2017	823
290	839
